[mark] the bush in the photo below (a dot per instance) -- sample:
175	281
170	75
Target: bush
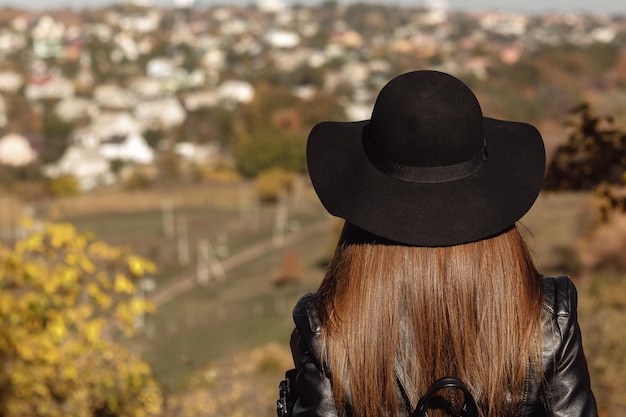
63	294
64	186
270	183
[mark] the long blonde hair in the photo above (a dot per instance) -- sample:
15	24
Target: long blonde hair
471	311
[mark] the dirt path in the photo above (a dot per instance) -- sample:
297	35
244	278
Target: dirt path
178	286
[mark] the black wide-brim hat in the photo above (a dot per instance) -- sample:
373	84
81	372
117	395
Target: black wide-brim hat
427	169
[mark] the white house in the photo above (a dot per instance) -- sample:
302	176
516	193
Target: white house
47	37
161	67
141	22
10	81
104	126
200	99
113	96
282	39
131	148
52	87
146	88
86	164
271	6
11	42
125	47
111	124
235	91
75	108
164	113
214	58
15	150
198	154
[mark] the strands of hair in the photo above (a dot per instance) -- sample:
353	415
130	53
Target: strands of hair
414	314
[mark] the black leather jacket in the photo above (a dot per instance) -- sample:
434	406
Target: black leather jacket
564	392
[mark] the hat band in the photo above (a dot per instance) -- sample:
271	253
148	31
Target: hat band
425	175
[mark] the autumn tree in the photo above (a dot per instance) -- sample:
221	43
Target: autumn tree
64	297
592	159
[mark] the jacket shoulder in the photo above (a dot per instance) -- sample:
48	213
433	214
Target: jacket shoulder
306	318
560	296
565	386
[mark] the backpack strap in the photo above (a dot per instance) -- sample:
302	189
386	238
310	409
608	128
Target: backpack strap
309	327
470	409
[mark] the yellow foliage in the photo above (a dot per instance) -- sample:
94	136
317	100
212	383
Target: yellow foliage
61	291
139	267
123	284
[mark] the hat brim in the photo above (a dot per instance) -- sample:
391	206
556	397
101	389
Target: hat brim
478	206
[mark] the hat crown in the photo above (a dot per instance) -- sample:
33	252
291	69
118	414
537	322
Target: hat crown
426	119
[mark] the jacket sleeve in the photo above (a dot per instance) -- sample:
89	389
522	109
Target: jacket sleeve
315	395
567	390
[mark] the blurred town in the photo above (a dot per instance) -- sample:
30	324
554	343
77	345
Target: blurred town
156	222
87	93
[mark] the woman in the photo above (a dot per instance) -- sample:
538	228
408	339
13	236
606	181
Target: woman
431	277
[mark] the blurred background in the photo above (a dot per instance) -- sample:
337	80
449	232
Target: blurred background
156	220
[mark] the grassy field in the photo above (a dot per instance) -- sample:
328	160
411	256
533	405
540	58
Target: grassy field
243	311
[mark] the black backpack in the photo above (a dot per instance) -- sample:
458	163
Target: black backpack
288	396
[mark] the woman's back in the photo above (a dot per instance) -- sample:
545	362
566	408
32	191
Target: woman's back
431	277
562	387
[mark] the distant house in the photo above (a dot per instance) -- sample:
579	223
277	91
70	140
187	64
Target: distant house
86	164
16	150
113	96
141	22
358	111
11	42
235	91
161	67
356	72
10	81
126	48
105	126
214	59
76	108
200	99
130	148
146	88
271	6
47	36
198	154
49	87
164	113
282	39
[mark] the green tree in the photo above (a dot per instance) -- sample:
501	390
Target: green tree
56	132
64	295
273	128
270	149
